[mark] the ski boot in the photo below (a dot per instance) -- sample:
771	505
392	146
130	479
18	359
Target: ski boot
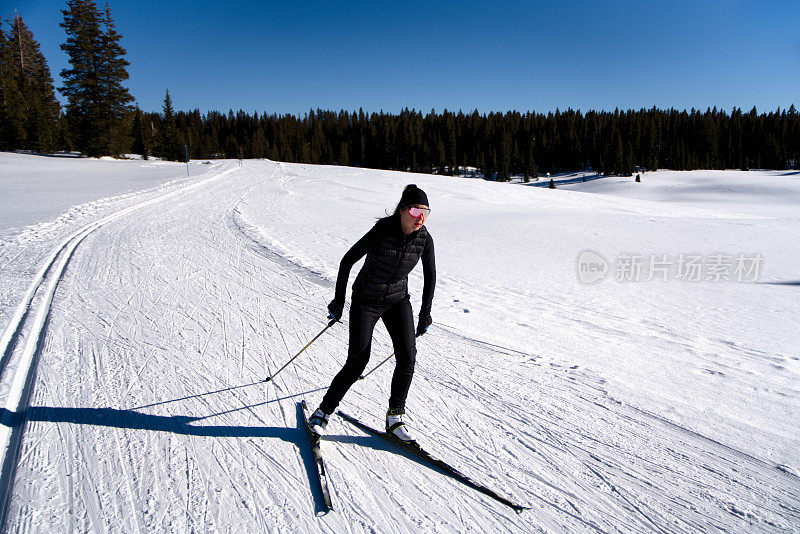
318	421
396	427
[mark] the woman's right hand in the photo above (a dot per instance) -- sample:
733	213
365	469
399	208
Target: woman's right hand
335	309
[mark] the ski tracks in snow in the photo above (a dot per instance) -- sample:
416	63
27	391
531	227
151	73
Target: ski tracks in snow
149	411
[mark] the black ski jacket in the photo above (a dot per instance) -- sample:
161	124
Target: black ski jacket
391	255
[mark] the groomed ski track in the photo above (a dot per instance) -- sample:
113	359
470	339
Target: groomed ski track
147	411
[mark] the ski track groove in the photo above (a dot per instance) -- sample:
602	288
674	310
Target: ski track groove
66	477
191	443
127	479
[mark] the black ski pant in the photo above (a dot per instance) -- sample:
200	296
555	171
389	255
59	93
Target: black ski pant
399	321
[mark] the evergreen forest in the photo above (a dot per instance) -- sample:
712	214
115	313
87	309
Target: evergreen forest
100	118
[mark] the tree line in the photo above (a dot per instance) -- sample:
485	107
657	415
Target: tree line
99	118
499	145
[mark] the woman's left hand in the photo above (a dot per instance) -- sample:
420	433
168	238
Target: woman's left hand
424	323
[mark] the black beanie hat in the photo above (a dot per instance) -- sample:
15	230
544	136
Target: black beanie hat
414	195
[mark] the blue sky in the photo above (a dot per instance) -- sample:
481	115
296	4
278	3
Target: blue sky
289	57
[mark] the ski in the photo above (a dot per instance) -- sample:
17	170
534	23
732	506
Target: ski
314	442
414	448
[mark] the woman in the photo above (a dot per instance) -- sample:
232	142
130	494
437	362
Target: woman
393	247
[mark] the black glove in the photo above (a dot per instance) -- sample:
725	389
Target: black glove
424	322
335	309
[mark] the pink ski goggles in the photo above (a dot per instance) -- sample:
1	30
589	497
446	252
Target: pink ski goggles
419	212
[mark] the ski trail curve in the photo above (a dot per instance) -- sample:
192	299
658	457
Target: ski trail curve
12	420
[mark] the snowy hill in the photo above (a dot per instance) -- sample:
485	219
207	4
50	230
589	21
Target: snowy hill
662	397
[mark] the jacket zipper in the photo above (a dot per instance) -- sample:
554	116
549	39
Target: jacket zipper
400	259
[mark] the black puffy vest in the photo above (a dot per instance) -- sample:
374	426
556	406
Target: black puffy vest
392	255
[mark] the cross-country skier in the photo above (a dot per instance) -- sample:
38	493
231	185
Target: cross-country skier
393	248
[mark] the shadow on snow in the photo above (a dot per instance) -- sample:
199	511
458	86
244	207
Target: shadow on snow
114	418
182	425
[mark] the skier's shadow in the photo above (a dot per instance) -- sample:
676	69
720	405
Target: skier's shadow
113	418
379	444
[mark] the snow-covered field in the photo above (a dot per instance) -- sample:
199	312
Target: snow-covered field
39	189
664	396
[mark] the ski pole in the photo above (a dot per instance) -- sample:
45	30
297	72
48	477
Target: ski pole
376	367
330	324
362	377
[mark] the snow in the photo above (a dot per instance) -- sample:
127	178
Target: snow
665	404
760	193
37	189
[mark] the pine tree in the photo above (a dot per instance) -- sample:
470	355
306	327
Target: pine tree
629	162
619	155
140	139
81	80
12	115
41	109
117	109
170	143
29	111
505	157
344	156
793	136
98	105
